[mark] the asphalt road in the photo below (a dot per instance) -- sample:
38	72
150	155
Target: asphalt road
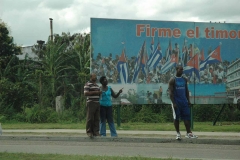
156	150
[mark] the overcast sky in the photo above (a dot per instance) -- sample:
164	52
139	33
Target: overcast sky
28	20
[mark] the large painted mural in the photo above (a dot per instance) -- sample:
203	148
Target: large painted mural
140	56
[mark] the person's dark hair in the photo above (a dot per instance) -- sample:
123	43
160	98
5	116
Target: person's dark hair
92	74
178	66
102	79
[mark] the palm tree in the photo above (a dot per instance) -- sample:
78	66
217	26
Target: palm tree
82	49
54	64
65	64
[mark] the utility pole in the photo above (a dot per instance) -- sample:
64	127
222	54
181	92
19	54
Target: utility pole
51	29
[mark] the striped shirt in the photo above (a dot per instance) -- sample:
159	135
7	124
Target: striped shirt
89	87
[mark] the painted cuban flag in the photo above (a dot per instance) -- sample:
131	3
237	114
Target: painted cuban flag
169	64
214	57
122	68
138	63
192	66
155	58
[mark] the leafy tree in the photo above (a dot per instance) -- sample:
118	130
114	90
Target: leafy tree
83	51
7	47
14	86
17	89
59	65
62	69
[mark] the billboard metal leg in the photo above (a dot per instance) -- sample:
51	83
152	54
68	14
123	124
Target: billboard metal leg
218	115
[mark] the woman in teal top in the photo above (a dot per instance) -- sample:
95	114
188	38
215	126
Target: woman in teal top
106	107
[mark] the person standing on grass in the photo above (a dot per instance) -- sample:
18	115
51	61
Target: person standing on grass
106	107
92	91
179	95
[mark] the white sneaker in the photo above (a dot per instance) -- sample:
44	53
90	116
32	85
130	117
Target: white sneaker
190	135
178	137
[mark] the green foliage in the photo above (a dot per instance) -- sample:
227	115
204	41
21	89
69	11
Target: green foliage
40	115
7	47
163	113
126	112
30	87
13	96
144	113
69	116
236	115
37	114
203	113
3	118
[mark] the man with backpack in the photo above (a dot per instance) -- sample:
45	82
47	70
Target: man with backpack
179	95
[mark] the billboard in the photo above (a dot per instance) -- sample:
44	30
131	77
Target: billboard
140	56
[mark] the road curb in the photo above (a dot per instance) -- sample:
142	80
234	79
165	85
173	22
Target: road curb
123	139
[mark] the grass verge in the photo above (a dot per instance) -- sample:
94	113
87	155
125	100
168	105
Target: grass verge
197	126
30	156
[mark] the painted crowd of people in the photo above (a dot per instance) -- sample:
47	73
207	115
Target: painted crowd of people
214	73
